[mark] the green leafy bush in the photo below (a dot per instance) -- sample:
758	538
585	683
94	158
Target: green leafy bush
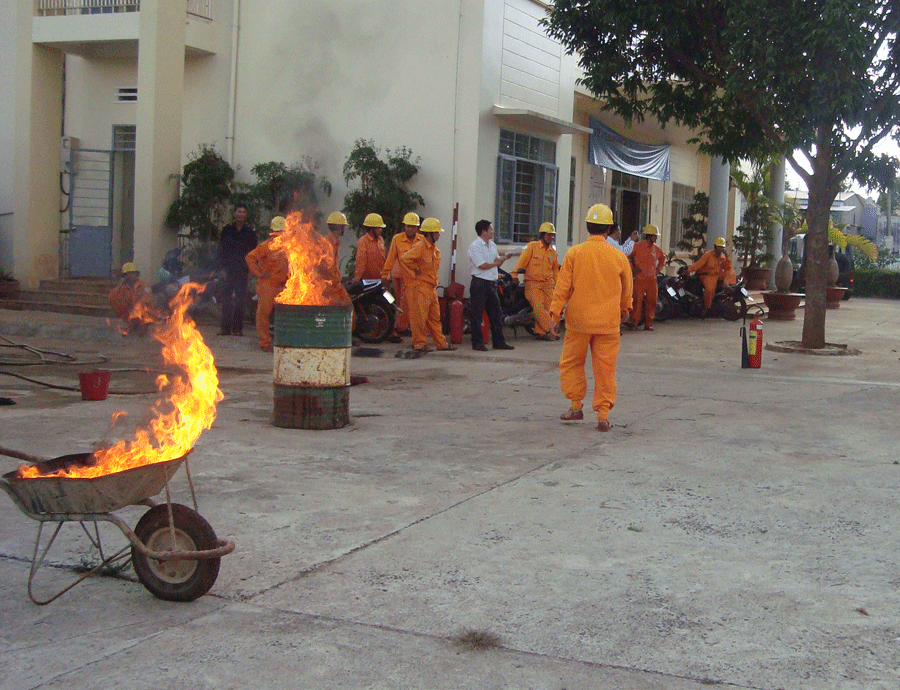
877	282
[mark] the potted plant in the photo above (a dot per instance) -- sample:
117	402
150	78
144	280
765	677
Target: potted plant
835	293
753	235
782	303
9	286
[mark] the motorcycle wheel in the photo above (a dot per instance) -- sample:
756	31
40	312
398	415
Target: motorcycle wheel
734	308
696	307
664	308
374	322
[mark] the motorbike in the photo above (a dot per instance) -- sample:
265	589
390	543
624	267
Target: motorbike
686	295
374	310
517	310
666	297
171	277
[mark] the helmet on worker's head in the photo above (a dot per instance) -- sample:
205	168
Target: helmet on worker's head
720	242
412	219
431	225
277	224
373	220
651	229
601	214
129	268
336	218
548	228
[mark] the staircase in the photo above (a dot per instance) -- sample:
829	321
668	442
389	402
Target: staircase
86	296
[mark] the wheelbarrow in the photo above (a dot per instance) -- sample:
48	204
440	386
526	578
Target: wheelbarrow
174	551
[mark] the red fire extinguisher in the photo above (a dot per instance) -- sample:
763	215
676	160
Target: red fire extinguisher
755	343
456	320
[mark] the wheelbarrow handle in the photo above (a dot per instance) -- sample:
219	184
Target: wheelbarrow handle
20	455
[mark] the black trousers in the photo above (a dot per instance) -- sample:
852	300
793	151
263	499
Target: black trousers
233	297
483	296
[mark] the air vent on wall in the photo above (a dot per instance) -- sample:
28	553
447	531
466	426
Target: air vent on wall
127	94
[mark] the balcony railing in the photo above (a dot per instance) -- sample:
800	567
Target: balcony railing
55	8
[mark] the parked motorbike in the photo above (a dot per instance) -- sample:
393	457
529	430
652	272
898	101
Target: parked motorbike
729	302
171	277
517	310
374	310
666	297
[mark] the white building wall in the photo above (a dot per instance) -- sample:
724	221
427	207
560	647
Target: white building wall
7	141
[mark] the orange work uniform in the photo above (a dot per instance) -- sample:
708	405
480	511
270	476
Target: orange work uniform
393	268
541	267
648	261
335	242
369	257
423	262
595	282
271	268
123	298
712	271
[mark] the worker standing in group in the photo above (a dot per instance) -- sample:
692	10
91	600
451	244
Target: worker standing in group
271	268
595	282
401	243
540	266
625	247
422	262
713	267
370	252
337	223
485	260
648	260
237	240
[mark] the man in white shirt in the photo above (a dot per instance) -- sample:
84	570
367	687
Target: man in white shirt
625	247
485	259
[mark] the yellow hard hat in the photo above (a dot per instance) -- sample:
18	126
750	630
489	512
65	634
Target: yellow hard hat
600	214
548	228
720	242
129	268
651	229
431	225
336	218
373	220
277	224
411	219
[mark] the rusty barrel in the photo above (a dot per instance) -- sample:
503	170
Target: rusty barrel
312	366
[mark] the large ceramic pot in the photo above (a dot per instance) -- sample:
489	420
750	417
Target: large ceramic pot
833	297
782	305
757	278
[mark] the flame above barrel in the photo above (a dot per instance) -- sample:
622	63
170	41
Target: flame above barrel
314	277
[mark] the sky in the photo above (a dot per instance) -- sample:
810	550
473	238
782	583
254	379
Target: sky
888	146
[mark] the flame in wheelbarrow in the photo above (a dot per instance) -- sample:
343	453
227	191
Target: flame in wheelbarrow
186	406
314	278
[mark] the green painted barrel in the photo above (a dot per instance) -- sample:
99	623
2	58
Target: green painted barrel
312	366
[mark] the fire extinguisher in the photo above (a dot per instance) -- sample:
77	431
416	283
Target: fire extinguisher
456	320
755	343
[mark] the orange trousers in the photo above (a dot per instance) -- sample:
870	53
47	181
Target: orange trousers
710	283
265	296
425	316
572	379
540	295
645	292
401	290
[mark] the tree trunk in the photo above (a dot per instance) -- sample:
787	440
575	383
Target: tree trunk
817	215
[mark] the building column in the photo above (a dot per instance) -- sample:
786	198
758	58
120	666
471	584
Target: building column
776	181
38	117
160	83
719	182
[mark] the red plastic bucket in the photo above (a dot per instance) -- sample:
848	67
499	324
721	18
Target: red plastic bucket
94	384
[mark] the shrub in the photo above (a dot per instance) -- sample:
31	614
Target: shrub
877	282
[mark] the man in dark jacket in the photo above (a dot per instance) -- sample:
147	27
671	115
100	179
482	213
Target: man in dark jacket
237	240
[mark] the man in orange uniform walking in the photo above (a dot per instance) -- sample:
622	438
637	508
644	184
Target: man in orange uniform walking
401	243
595	282
422	263
540	266
370	249
648	261
337	223
271	268
714	267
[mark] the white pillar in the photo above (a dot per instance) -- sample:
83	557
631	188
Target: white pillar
158	136
776	180
719	180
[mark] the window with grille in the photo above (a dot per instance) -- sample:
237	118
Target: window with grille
527	179
682	197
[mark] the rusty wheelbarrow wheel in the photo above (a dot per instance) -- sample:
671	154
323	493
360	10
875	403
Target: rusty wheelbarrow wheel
175	580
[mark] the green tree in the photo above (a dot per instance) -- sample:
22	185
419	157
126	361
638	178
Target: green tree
383	185
753	234
815	81
693	239
278	184
205	192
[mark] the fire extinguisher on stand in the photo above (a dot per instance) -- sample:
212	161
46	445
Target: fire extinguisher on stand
752	345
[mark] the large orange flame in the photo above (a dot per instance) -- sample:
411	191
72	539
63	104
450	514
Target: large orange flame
187	404
315	278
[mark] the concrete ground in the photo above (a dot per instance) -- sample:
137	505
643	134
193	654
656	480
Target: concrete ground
735	527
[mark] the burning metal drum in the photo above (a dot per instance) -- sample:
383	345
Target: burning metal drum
312	366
